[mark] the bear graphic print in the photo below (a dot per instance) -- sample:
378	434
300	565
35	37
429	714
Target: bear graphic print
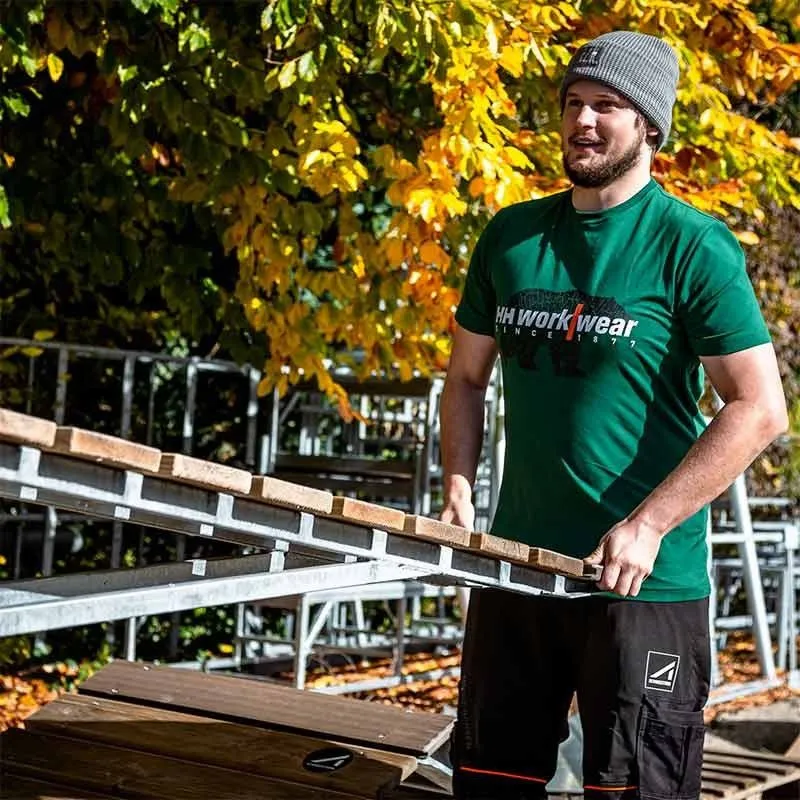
563	324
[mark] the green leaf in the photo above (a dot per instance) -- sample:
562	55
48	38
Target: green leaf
288	74
268	15
307	67
28	64
5	220
16	104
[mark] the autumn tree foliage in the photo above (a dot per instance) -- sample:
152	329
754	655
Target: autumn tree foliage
315	172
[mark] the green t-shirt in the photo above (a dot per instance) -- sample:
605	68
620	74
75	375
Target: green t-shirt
600	318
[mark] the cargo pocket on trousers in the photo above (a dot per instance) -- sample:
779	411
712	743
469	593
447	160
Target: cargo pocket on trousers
669	752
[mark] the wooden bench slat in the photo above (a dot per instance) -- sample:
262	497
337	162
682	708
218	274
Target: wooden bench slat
291	495
266	705
765	760
723	776
206	474
25	429
437	531
501	548
216	743
117	770
371	514
110	450
16	788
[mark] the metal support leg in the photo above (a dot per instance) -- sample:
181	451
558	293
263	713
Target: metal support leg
400	650
238	647
361	625
130	638
792	596
752	578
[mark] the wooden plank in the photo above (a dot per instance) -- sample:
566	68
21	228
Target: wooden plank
25	429
756	760
362	513
720	788
550	561
437	531
737	771
501	548
725	777
15	788
291	495
206	474
129	773
217	744
266	705
111	450
774	772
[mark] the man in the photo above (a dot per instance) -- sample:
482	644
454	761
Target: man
607	304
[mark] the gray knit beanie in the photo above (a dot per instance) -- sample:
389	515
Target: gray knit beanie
644	68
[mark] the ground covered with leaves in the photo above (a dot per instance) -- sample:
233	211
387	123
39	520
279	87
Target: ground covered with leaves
435	690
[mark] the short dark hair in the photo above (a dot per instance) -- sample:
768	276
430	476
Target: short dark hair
651	138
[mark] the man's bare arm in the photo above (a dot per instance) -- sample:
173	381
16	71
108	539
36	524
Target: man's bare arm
461	419
753	415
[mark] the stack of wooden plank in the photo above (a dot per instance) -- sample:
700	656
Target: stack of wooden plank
86	445
139	730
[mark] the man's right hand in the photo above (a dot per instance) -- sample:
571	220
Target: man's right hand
459	513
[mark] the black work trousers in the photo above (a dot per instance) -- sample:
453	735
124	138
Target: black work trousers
641	674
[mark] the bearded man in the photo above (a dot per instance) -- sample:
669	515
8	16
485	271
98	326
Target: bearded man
636	296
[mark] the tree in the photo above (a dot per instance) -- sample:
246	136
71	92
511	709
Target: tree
321	169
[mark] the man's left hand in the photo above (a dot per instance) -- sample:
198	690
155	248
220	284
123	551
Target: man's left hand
627	552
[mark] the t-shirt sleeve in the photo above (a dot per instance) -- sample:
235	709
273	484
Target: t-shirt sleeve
715	297
478	306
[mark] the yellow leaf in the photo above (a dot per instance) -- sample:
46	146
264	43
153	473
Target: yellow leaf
511	60
44	335
55	66
747	237
226	648
310	159
516	157
491	38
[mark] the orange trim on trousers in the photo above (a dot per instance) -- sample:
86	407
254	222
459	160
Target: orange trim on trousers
498	774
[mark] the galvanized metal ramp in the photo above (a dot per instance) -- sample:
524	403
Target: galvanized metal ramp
311	539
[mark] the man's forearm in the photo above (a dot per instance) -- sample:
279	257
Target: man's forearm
461	420
731	442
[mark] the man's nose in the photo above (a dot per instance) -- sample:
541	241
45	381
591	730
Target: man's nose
586	117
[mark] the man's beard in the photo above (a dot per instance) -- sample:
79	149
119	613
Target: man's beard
597	176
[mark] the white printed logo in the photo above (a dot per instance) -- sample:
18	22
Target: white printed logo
661	671
588	57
